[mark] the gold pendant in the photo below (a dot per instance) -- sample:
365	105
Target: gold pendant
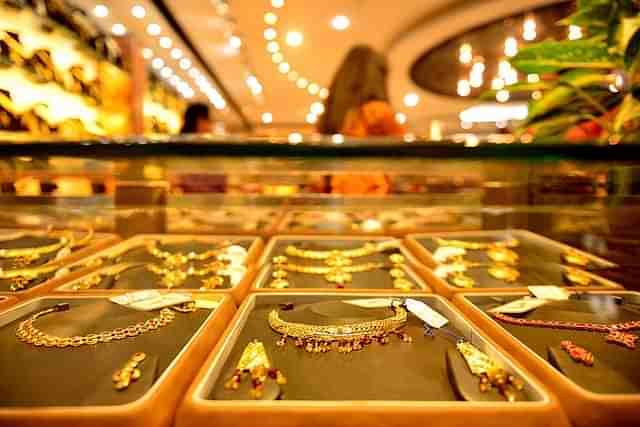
503	255
461	280
575	258
577	277
503	272
338	276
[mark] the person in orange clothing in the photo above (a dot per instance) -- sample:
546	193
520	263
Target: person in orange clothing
358	105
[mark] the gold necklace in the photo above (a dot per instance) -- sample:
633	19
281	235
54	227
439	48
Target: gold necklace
29	334
368	248
509	243
172	278
178	259
343	338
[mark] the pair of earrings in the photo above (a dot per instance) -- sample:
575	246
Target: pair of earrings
129	373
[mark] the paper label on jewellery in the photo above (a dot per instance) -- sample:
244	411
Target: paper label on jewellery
442	271
371	302
150	300
206	303
133	297
521	305
426	313
553	293
443	253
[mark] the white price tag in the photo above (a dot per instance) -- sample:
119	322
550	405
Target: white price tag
444	253
133	297
370	302
443	270
553	293
150	300
426	313
518	306
206	303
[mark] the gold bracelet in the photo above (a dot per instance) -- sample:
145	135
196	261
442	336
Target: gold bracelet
355	336
368	248
29	334
35	253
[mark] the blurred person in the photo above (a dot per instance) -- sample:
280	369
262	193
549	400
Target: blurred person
358	105
197	119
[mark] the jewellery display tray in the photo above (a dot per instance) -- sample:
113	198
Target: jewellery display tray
397	384
605	394
139	278
73	386
7	301
391	222
377	280
540	262
19	238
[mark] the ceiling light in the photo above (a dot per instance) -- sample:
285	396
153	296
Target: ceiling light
101	11
277	58
293	76
464	88
267	118
489	113
510	46
147	53
235	42
502	95
401	118
284	67
176	53
497	83
476	80
302	83
157	63
317	108
294	38
166	72
466	53
273	47
478	67
295	138
313	88
185	64
311	118
270	34
138	11
411	99
153	29
270	18
337	138
165	42
118	29
324	93
340	23
277	3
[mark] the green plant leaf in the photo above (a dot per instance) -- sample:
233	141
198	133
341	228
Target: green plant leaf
629	110
550	126
553	56
592	18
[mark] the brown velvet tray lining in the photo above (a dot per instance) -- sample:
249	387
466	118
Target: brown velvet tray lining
616	369
36	376
396	371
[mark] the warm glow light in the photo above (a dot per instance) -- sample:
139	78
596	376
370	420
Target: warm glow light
147	53
235	42
337	138
302	83
502	95
466	53
270	34
511	77
510	46
435	130
153	29
324	93
101	11
273	47
267	118
277	58
575	32
293	76
340	23
176	53
536	94
401	118
489	113
194	72
138	11
317	108
294	38
165	42
277	3
497	83
311	118
295	138
478	67
313	88
166	72
504	68
411	99
529	29
464	88
471	141
270	18
475	79
185	64
284	67
118	29
533	78
157	63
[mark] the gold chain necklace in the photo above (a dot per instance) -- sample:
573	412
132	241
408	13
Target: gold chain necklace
178	259
368	248
343	338
509	243
29	334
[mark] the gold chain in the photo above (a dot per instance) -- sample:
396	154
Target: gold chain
29	334
509	243
368	248
178	259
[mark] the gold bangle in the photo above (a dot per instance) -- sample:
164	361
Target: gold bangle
35	253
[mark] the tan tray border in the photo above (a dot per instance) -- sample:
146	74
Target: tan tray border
196	411
238	292
101	241
7	300
442	287
156	407
585	408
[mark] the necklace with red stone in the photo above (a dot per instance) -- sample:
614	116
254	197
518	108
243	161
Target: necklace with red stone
617	333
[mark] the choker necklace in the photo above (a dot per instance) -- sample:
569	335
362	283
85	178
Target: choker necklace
368	248
29	334
617	333
343	338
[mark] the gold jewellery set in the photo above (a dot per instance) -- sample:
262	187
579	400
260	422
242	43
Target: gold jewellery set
21	277
227	259
503	262
338	268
